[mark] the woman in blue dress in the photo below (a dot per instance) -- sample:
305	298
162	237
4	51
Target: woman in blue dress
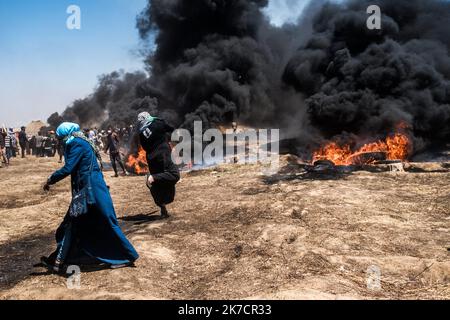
95	237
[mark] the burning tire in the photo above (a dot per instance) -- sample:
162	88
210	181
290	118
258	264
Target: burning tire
367	158
325	163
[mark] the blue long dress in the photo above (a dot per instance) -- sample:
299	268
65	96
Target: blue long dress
96	234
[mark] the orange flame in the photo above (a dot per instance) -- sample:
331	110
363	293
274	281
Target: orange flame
138	163
396	147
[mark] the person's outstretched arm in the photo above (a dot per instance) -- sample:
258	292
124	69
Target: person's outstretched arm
73	156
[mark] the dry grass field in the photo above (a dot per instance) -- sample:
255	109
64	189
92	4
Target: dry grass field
236	234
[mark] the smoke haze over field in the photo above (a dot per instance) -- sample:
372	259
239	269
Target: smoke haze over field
221	61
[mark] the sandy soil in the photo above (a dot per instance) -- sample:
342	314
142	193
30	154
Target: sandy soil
236	234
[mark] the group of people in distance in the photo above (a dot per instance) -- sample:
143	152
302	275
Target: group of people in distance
10	142
46	143
94	238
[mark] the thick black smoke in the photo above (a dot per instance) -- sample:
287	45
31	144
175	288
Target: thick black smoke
220	61
212	62
216	61
366	82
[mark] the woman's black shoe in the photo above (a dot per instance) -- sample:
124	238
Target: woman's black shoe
45	262
124	265
164	213
51	266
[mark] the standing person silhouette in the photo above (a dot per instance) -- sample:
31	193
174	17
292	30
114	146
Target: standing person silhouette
112	145
23	141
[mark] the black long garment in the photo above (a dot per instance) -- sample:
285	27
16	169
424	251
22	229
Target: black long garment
153	139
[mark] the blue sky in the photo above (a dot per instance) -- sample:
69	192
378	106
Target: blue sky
44	66
282	11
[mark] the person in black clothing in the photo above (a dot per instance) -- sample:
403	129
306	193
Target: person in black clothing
112	144
60	148
164	174
33	145
47	147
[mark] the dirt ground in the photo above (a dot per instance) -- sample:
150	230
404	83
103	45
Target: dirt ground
237	234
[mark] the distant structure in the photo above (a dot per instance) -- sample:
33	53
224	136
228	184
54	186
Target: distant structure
34	127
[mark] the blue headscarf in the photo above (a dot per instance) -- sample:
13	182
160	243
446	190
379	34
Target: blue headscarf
66	129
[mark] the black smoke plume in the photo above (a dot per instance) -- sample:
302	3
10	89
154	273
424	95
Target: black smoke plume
221	60
367	81
212	61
